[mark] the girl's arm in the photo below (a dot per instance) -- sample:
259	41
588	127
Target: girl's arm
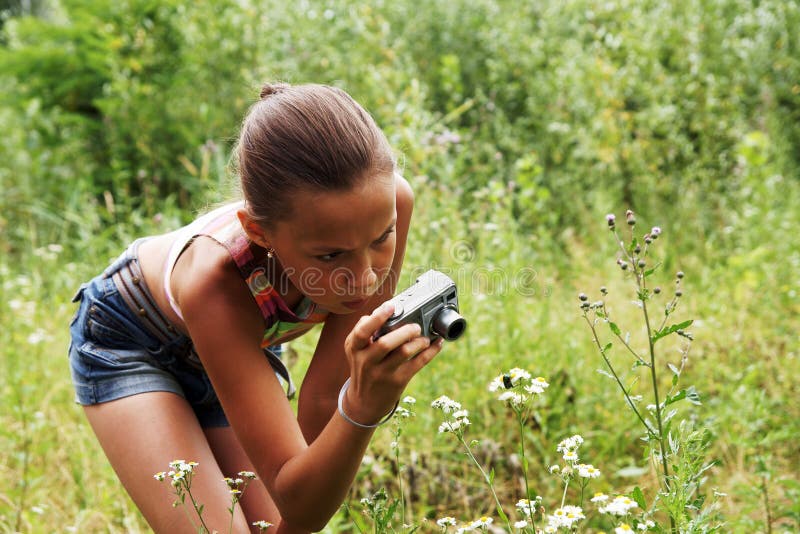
329	368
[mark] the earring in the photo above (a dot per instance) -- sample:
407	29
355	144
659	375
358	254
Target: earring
270	253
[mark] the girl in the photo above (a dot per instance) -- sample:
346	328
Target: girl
175	347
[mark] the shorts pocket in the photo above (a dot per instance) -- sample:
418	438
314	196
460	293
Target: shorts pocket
108	325
116	358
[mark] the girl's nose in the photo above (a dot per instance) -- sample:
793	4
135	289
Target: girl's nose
364	276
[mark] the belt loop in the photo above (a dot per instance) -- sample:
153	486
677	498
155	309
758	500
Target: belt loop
129	254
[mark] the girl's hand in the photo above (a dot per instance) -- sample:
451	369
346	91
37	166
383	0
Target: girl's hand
381	368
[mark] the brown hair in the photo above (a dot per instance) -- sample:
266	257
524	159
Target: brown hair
305	137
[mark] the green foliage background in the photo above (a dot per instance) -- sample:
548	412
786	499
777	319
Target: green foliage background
519	124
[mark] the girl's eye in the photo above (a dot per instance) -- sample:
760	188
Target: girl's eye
329	257
384	237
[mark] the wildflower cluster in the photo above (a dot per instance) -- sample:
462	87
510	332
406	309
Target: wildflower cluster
565	517
458	418
517	387
237	485
622	506
481	524
181	473
262	525
569	450
619	505
527	508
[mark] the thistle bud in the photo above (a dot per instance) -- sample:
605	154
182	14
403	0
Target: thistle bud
655	232
603	290
630	218
641	264
610	219
656	290
583	297
679	274
678	293
637	249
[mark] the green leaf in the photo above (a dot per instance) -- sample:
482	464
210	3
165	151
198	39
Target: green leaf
670	329
655	267
607	347
502	514
389	514
638	496
675	398
614	328
689	394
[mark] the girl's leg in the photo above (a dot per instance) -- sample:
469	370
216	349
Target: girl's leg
140	435
256	501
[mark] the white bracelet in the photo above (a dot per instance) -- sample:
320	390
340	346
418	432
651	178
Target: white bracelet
342	391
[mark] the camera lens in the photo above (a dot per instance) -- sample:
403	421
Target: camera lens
449	324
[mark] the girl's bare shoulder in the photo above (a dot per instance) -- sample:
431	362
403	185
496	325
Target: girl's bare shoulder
203	273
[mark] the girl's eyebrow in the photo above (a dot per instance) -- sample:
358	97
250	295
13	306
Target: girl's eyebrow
330	248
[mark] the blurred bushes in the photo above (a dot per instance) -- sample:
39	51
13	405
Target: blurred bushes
574	108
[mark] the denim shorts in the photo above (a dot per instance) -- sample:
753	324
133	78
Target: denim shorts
115	350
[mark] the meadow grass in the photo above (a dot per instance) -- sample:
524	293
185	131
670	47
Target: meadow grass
521	303
518	136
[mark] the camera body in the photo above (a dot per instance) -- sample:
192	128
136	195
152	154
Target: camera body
432	303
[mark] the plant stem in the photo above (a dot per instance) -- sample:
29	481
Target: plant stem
197	509
233	507
564	496
487	479
400	480
521	420
654	378
642	285
614	373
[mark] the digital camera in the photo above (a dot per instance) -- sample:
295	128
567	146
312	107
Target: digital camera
432	303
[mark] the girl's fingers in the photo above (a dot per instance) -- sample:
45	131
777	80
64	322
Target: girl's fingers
422	359
361	335
408	350
391	341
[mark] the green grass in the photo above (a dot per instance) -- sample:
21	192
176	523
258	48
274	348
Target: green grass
519	129
744	363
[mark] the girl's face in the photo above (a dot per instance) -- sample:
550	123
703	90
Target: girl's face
337	248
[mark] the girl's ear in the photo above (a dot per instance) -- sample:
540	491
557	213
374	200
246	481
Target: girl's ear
254	231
